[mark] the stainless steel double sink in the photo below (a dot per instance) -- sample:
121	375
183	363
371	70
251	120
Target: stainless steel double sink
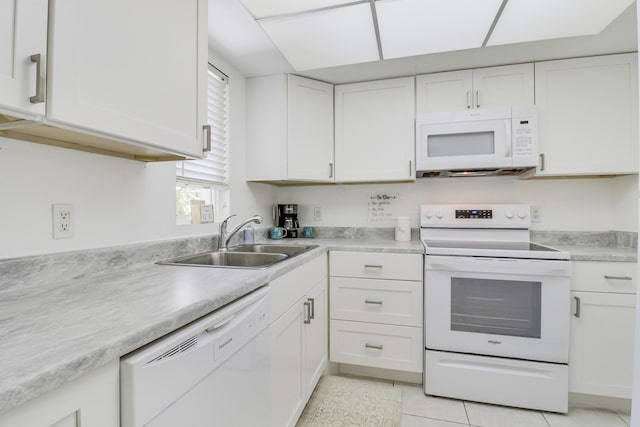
247	256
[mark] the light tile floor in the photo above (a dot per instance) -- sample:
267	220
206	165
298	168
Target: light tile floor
419	410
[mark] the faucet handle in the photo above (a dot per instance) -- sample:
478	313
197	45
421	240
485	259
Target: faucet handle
223	224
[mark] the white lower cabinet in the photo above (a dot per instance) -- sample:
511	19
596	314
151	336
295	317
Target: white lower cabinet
376	310
298	339
91	400
602	329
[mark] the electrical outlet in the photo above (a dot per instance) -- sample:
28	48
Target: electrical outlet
535	214
63	219
317	214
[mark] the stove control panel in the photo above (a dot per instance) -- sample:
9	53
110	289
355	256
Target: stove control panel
474	213
475	216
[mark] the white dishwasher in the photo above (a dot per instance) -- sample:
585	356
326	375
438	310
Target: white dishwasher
212	372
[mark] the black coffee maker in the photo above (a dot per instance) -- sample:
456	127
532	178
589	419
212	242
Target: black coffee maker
287	218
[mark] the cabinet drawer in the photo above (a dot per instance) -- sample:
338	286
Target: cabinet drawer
376	265
380	301
375	345
592	276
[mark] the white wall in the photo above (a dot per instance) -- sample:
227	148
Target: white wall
116	201
587	204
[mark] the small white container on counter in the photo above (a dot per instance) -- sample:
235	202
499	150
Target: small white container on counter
248	235
403	228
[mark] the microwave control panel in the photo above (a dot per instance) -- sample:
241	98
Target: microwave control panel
524	137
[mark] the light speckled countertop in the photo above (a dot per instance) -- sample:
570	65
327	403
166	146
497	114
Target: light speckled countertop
56	332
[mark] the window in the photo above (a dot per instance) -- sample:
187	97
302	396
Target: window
206	182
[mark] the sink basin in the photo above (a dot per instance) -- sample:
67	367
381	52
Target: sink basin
228	259
290	250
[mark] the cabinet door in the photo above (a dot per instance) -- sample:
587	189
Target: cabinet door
287	393
133	70
316	338
602	337
23	33
450	91
91	400
503	86
374	137
310	130
588	115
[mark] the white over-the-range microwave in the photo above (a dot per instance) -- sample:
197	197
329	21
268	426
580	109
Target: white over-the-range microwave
490	141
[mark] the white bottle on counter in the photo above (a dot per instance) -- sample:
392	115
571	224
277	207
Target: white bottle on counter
403	228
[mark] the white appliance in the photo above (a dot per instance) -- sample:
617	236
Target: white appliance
497	308
212	372
496	141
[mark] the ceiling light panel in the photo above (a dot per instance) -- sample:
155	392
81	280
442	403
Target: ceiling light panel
526	20
418	27
266	8
326	38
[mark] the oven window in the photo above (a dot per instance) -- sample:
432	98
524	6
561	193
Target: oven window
461	144
500	307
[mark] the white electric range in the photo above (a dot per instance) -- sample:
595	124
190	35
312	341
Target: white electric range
497	308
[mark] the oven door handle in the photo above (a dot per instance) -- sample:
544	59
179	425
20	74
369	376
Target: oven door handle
497	265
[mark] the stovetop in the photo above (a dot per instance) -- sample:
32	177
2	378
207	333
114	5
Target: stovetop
482	230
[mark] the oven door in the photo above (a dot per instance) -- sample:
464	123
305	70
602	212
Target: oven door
507	307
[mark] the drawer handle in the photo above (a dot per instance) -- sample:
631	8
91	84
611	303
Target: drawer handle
618	277
373	301
374	346
372	266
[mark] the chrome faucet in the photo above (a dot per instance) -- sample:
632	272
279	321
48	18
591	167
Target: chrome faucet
225	236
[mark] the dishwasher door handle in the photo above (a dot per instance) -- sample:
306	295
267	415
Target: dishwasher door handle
219	324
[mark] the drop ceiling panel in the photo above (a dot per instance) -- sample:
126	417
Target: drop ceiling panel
265	8
418	27
526	20
325	38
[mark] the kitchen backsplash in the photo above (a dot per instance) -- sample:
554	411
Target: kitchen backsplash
60	267
51	269
624	239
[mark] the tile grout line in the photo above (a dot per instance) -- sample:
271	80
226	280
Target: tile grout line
545	419
620	416
466	414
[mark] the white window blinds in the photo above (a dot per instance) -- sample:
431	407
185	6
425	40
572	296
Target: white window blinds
214	168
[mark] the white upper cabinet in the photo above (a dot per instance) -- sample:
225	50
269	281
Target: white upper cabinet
503	86
23	58
588	115
120	80
133	70
289	129
374	131
450	91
